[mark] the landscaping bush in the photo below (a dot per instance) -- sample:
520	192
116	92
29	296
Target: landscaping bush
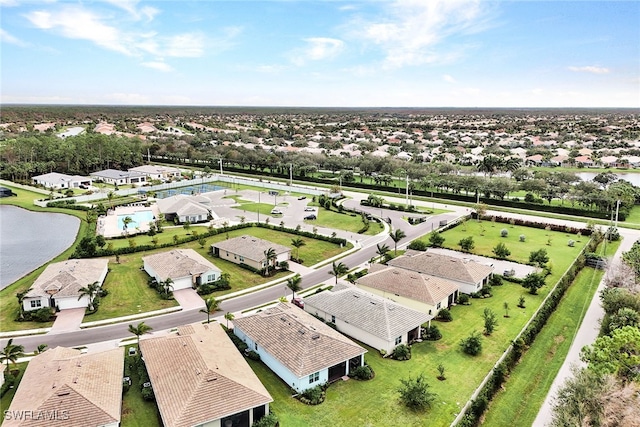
415	394
486	291
362	373
472	345
418	245
445	315
269	420
401	352
504	232
522	237
431	333
253	356
241	345
463	299
9	382
435	239
313	396
495	280
571	243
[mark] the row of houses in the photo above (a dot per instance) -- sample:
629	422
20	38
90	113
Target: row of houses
139	175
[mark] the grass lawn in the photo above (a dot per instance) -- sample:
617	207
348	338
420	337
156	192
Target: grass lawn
137	412
633	217
535	239
332	219
537	369
5	401
376	403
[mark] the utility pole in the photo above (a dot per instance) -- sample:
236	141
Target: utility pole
407	192
220	161
258	207
290	174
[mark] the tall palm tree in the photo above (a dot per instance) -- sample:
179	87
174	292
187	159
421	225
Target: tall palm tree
167	287
211	305
141	329
90	291
396	236
229	316
293	283
338	270
270	257
382	250
125	222
21	296
297	243
11	353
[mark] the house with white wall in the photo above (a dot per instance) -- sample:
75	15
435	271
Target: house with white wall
60	283
185	267
303	351
371	319
157	172
55	181
199	378
249	250
118	177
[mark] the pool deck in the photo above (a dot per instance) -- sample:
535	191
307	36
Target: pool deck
108	225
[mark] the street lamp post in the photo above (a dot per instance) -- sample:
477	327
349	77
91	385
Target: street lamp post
221	171
258	207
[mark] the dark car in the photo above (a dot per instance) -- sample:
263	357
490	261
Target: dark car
310	217
298	302
302	197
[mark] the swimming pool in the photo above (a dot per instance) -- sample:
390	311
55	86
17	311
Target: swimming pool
190	190
139	218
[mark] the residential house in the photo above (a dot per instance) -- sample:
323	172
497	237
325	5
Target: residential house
118	177
585	161
303	351
55	181
471	276
558	160
157	172
60	283
183	208
185	267
249	250
421	292
609	161
64	387
200	379
535	160
373	320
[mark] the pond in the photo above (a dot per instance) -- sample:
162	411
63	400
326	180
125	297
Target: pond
31	239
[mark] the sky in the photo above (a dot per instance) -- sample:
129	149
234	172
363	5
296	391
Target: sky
331	53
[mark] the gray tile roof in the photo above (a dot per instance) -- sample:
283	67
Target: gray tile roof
88	387
184	205
409	284
67	277
250	247
116	174
453	268
198	375
302	343
378	316
179	263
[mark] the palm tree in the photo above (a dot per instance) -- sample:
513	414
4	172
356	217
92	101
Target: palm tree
338	270
125	223
41	348
211	305
141	329
166	286
297	243
270	257
382	250
21	296
229	316
90	291
293	283
11	353
396	236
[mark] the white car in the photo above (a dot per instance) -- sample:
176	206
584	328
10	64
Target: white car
309	209
276	212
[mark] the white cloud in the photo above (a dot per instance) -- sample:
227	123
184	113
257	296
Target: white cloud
130	6
158	65
590	69
9	3
184	45
5	37
448	78
317	49
411	30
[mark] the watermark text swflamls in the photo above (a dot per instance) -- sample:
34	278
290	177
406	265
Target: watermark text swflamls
24	415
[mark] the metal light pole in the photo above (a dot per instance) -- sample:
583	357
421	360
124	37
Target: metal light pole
407	192
290	174
258	207
220	161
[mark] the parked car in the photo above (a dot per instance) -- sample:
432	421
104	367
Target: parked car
312	216
309	209
276	212
298	302
302	197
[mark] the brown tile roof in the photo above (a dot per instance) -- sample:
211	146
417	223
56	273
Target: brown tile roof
198	375
458	269
302	343
179	263
67	277
85	387
249	247
409	284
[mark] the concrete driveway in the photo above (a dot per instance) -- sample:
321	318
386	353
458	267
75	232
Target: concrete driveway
68	320
188	299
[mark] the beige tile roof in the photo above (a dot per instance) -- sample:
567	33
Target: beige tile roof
378	316
198	375
459	269
409	284
67	277
250	247
86	387
302	343
179	263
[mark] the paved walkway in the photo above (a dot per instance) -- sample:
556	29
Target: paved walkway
586	335
299	268
68	320
188	299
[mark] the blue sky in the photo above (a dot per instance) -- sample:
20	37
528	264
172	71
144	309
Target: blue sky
413	53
